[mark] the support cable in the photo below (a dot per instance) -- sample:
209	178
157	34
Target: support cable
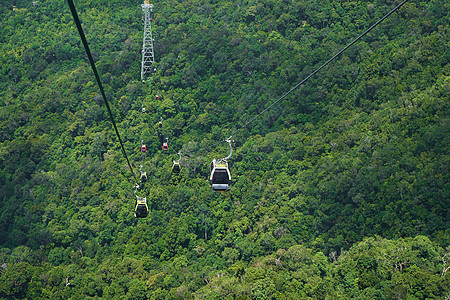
97	77
321	67
308	77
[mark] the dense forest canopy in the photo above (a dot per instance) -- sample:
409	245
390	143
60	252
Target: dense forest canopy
339	191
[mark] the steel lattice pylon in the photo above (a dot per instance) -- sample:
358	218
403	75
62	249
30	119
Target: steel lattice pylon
148	57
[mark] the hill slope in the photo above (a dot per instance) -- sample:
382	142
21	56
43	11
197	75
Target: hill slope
339	191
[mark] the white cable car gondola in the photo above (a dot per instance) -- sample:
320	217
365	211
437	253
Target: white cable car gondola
220	178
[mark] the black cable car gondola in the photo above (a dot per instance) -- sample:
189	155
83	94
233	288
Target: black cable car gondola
143	178
141	210
176	167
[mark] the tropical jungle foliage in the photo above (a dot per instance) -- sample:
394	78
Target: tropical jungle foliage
340	191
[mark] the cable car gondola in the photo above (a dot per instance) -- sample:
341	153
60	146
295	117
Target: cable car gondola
165	145
141	210
220	178
143	178
176	167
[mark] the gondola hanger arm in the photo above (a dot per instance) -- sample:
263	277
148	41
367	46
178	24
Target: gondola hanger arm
229	141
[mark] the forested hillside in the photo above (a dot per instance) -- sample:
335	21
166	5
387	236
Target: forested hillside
339	191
